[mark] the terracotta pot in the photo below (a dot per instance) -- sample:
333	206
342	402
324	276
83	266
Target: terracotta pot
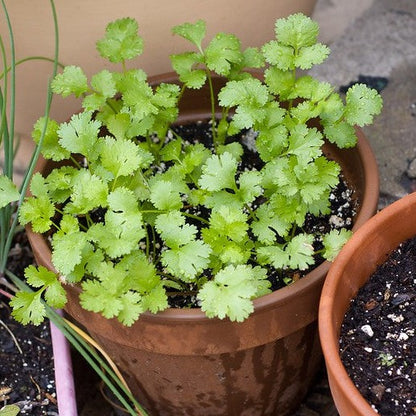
181	362
82	23
369	247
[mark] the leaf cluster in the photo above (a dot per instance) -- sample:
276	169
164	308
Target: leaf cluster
138	213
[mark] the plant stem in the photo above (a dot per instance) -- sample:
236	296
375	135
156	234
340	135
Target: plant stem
196	217
30	58
213	119
8	143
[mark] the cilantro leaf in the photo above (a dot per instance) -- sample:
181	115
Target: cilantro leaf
240	92
297	31
173	229
362	103
121	157
121	41
268	224
279	81
341	133
300	251
28	308
230	293
172	150
188	260
80	134
88	192
305	143
334	241
223	51
131	308
249	186
194	32
118	125
96	297
229	221
184	64
304	111
104	87
297	254
187	257
72	81
51	148
311	55
250	96
165	195
39	276
280	56
148	283
274	255
252	58
234	148
67	250
311	89
218	172
137	100
37	210
59	183
332	109
8	191
123	226
227	234
156	299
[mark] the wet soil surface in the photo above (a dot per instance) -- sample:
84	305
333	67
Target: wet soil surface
26	360
378	342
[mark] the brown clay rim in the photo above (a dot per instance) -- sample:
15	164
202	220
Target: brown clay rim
289	293
328	328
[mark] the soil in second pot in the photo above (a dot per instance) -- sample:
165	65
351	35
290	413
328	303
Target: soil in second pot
27	376
378	342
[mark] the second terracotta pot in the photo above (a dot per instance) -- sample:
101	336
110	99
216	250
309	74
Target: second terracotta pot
369	247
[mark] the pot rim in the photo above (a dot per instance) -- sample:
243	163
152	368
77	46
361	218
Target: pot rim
329	327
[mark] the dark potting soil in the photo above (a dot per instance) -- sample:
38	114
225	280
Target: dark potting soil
378	342
26	359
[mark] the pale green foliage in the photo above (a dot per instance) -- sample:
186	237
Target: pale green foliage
195	33
362	103
72	81
121	41
334	241
51	148
231	291
218	172
136	214
8	191
223	55
10	410
28	306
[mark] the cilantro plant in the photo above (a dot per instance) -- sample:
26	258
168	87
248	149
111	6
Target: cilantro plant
139	214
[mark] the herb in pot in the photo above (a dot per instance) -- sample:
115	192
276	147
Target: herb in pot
185	214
